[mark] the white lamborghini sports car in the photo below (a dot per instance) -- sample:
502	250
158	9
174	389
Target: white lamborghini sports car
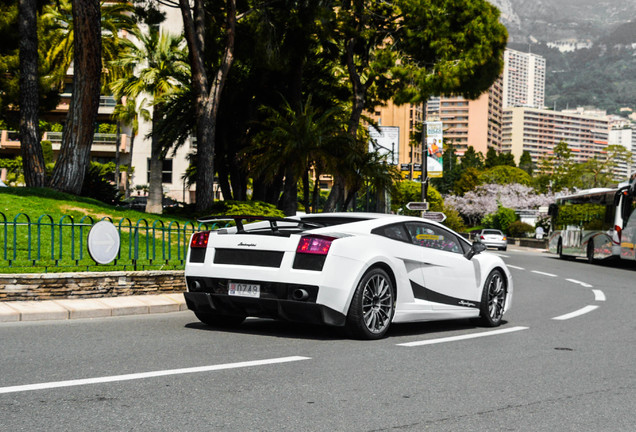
358	270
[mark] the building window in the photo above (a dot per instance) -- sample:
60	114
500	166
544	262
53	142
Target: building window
166	171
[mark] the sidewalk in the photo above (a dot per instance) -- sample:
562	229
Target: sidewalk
41	310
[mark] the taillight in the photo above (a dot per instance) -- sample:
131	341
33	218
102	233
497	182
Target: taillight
200	240
314	244
619	231
482	237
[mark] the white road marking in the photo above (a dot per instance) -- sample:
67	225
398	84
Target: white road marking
543	273
462	337
599	295
583	284
577	313
501	255
143	375
515	267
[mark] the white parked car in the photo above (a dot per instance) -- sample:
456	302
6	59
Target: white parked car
492	238
358	270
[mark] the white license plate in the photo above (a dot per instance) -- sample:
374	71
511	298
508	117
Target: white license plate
244	290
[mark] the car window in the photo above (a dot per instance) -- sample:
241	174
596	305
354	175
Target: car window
393	231
490	231
433	237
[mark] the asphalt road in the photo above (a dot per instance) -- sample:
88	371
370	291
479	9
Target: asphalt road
565	362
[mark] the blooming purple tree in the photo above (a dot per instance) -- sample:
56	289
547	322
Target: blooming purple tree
476	204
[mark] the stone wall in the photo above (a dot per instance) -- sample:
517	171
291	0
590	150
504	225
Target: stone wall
55	286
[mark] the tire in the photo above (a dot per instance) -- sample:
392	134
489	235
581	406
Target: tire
590	252
493	299
372	306
560	250
218	320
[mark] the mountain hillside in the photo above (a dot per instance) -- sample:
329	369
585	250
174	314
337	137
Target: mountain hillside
602	75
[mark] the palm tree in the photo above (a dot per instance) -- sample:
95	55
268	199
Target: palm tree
156	66
126	113
297	141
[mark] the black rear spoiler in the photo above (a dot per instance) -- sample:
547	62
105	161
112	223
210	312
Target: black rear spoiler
239	219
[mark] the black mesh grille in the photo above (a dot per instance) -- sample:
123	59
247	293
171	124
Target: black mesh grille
248	257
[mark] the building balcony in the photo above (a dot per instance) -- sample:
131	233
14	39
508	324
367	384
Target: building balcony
103	144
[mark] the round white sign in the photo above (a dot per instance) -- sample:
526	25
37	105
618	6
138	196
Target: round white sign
103	242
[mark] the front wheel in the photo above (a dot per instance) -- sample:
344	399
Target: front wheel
493	299
372	306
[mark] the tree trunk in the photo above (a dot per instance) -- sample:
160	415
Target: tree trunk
72	163
290	193
155	185
129	174
32	157
207	96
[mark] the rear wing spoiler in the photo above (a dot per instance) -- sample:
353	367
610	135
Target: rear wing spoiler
240	219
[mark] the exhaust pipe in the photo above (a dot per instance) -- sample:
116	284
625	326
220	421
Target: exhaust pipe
300	294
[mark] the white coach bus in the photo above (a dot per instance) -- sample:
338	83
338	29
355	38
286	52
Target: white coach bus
595	224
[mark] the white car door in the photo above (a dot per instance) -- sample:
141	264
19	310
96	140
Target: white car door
449	278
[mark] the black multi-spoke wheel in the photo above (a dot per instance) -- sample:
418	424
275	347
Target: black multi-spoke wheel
372	306
493	299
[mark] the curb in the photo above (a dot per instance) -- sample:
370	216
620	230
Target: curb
35	310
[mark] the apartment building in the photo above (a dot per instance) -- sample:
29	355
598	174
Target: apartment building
476	123
523	79
538	131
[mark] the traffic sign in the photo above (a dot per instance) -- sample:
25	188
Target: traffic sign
414	205
103	242
435	216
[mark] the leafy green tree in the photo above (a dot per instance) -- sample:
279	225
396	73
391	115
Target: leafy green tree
492	158
472	159
468	181
126	112
298	141
504	174
526	163
418	48
600	171
162	63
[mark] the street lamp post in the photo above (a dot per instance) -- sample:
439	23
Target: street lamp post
424	177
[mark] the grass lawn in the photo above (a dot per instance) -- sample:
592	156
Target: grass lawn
42	230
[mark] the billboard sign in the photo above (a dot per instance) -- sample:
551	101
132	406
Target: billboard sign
435	145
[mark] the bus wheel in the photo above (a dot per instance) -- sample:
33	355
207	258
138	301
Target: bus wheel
590	252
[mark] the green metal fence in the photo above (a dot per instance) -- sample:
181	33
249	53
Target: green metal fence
46	245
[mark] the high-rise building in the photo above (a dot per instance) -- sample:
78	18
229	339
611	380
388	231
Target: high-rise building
523	79
538	131
475	123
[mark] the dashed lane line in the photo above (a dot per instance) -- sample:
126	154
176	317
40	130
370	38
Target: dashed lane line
543	273
515	267
462	337
143	375
576	313
583	284
599	295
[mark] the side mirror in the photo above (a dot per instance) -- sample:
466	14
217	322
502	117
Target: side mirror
475	249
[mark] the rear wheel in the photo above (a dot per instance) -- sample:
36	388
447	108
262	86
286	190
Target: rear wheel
493	299
372	306
218	320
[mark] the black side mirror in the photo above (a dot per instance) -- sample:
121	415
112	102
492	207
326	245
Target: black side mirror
475	249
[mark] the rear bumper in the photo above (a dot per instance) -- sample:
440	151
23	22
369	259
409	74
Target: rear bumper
277	301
